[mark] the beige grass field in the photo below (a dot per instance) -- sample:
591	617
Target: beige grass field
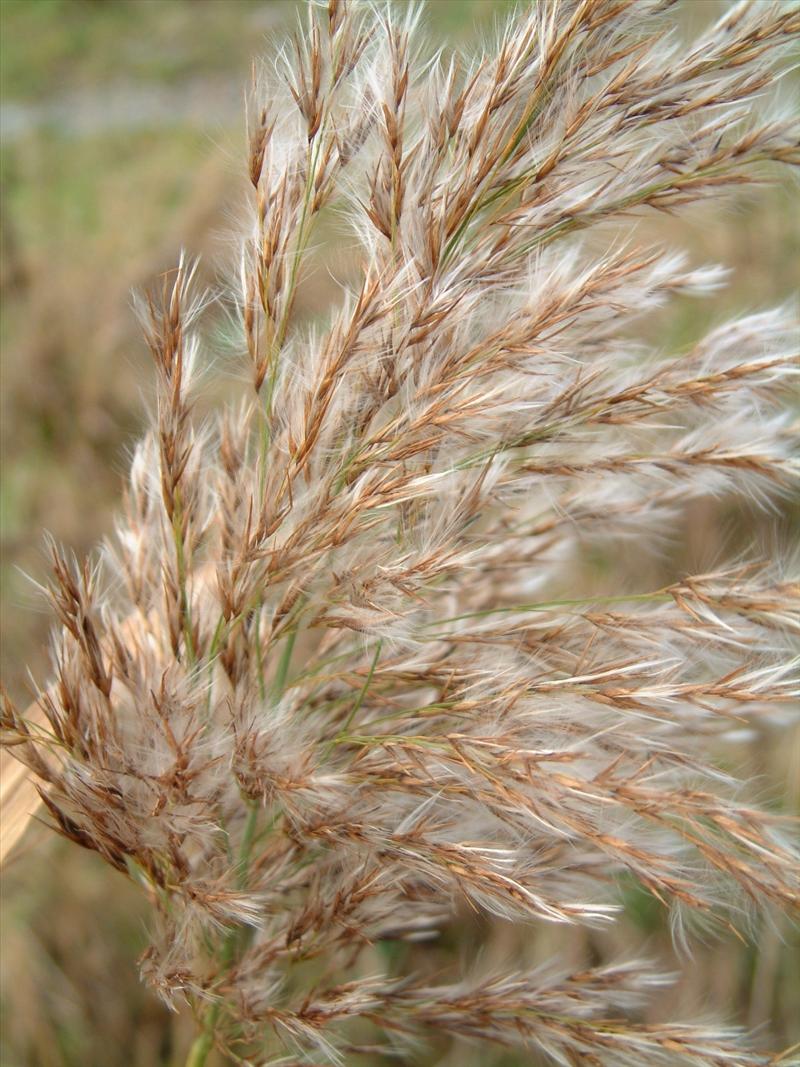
122	143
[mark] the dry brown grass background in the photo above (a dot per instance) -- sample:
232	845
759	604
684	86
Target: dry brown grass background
122	144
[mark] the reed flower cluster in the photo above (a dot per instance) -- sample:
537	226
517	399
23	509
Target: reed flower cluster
338	675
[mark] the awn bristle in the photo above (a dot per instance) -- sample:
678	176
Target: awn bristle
336	675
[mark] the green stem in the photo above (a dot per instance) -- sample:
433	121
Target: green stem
204	1042
356	706
283	666
199	1051
247	844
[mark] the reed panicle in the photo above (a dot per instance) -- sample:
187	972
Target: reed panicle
337	673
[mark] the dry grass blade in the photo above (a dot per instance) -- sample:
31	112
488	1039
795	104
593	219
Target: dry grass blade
19	800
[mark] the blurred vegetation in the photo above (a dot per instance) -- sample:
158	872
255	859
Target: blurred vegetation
50	46
122	143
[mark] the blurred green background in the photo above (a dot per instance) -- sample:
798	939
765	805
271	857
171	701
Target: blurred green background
123	142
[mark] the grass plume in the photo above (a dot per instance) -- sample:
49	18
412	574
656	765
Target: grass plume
335	676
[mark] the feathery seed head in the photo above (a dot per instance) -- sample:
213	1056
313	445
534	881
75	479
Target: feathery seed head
350	678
